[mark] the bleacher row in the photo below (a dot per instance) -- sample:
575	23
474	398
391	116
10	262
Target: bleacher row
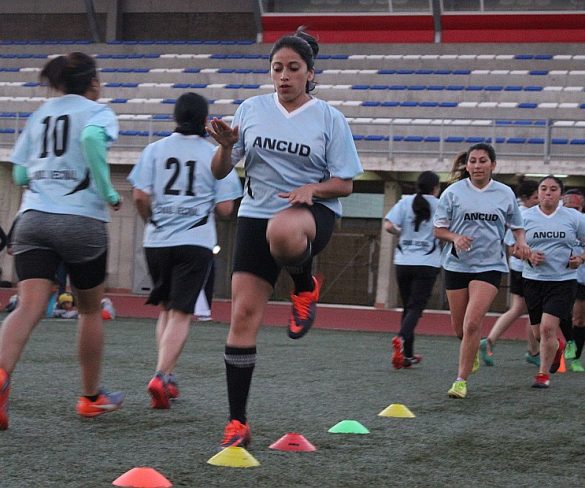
394	101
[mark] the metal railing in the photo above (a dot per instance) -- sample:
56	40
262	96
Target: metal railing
542	139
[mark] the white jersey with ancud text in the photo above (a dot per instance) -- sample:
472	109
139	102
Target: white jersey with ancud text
176	173
558	236
284	151
50	149
482	214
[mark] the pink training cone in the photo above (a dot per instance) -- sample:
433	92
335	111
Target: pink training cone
293	442
143	477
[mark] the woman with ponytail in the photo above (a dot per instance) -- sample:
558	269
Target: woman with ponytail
61	157
299	158
176	194
417	260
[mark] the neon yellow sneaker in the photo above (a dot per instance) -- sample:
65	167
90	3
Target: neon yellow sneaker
575	366
570	350
458	390
475	366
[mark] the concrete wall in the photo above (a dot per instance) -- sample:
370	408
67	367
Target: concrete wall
128	20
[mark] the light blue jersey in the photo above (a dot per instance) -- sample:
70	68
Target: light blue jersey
176	173
482	214
559	237
415	248
50	149
509	240
284	151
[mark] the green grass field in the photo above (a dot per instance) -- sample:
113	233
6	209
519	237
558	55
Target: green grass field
504	434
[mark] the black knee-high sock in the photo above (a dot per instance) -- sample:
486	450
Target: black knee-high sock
301	271
579	335
239	366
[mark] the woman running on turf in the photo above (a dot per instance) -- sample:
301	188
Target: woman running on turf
553	233
175	194
574	199
417	260
299	158
61	156
528	196
472	218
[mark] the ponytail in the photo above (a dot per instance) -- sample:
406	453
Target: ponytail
426	183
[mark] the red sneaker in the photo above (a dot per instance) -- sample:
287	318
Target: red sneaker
556	364
541	380
106	402
304	310
4	392
158	392
173	389
397	352
236	434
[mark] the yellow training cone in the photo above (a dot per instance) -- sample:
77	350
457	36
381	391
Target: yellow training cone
233	457
397	410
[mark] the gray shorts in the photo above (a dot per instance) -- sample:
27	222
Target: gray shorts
74	238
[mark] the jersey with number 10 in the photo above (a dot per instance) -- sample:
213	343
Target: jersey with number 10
176	173
284	151
50	149
482	214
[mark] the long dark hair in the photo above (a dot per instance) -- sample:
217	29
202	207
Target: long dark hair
71	74
305	45
425	184
458	170
191	111
526	188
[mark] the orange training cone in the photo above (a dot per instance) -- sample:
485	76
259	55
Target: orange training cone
562	366
293	442
142	478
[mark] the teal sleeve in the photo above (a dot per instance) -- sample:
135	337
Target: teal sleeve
19	175
94	147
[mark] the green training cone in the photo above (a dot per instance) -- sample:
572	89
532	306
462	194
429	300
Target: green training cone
348	427
233	457
397	410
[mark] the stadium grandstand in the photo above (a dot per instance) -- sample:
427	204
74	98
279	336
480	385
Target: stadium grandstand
418	80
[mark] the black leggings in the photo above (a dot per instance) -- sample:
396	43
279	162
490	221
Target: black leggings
416	285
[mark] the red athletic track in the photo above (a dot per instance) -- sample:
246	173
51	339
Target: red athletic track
456	28
336	317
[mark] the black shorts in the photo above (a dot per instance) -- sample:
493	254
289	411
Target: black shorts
455	280
252	253
516	283
551	297
580	292
43	264
178	274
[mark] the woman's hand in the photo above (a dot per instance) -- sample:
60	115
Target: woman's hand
575	261
223	134
536	258
462	243
300	196
521	251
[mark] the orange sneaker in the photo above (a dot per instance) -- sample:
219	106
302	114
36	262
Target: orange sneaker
304	310
397	352
159	393
173	387
236	434
106	402
4	392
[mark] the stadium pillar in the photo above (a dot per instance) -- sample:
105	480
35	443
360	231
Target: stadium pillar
386	291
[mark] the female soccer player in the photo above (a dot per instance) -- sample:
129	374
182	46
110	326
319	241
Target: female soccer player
472	218
175	193
61	156
417	258
528	195
299	158
553	233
